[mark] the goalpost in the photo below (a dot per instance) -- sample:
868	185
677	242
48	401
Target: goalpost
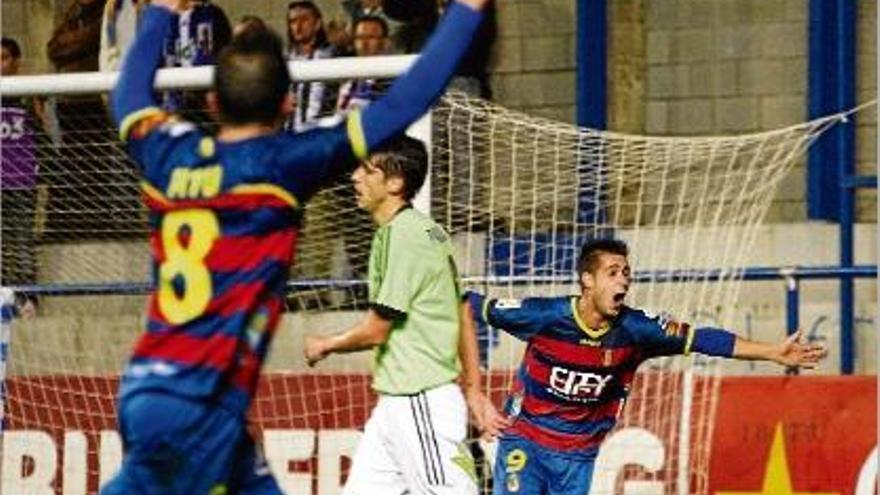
519	194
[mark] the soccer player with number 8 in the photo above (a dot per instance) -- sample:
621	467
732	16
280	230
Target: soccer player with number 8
224	216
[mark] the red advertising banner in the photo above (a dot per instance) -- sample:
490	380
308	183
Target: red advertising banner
795	435
772	436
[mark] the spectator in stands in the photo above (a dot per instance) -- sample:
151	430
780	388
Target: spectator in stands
248	22
419	17
75	42
118	27
18	181
370	35
370	8
202	30
307	40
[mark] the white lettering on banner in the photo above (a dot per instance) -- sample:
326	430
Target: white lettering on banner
576	383
630	446
282	447
333	446
75	471
37	449
110	456
867	483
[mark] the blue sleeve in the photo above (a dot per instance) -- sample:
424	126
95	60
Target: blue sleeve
714	342
133	95
305	161
412	94
522	319
659	335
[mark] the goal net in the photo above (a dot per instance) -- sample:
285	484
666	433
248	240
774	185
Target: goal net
519	195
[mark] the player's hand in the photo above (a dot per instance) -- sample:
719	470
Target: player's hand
475	4
794	352
485	415
314	349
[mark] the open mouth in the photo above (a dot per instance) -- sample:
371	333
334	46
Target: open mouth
618	298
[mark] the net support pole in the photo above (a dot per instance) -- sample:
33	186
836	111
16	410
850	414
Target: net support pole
684	431
7	313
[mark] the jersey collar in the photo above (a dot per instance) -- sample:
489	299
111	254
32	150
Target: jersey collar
592	333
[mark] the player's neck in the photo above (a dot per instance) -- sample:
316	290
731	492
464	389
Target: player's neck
589	314
239	132
386	210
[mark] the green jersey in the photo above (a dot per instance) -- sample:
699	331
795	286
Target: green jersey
413	279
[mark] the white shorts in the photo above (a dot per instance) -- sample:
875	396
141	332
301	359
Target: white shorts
415	445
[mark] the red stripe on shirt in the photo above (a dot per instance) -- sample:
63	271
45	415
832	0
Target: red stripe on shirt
239	201
248	252
216	351
238	297
554	440
581	355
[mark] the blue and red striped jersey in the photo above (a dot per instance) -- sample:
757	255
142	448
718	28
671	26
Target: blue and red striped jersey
223	220
573	380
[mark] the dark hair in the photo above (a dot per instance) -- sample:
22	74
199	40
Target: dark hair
370	18
321	35
248	21
405	157
589	257
251	77
12	46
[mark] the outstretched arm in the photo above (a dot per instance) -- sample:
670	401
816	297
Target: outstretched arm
413	93
789	352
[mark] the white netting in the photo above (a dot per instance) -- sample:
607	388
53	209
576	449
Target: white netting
520	196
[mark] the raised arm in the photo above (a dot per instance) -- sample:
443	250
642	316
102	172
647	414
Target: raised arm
134	90
412	94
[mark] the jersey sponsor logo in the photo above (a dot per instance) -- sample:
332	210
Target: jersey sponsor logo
195	183
437	234
508	304
674	328
577	385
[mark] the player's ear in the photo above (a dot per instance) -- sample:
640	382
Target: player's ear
287	105
395	184
213	105
587	281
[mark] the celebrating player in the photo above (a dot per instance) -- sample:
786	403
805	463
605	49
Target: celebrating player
414	440
223	214
579	364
